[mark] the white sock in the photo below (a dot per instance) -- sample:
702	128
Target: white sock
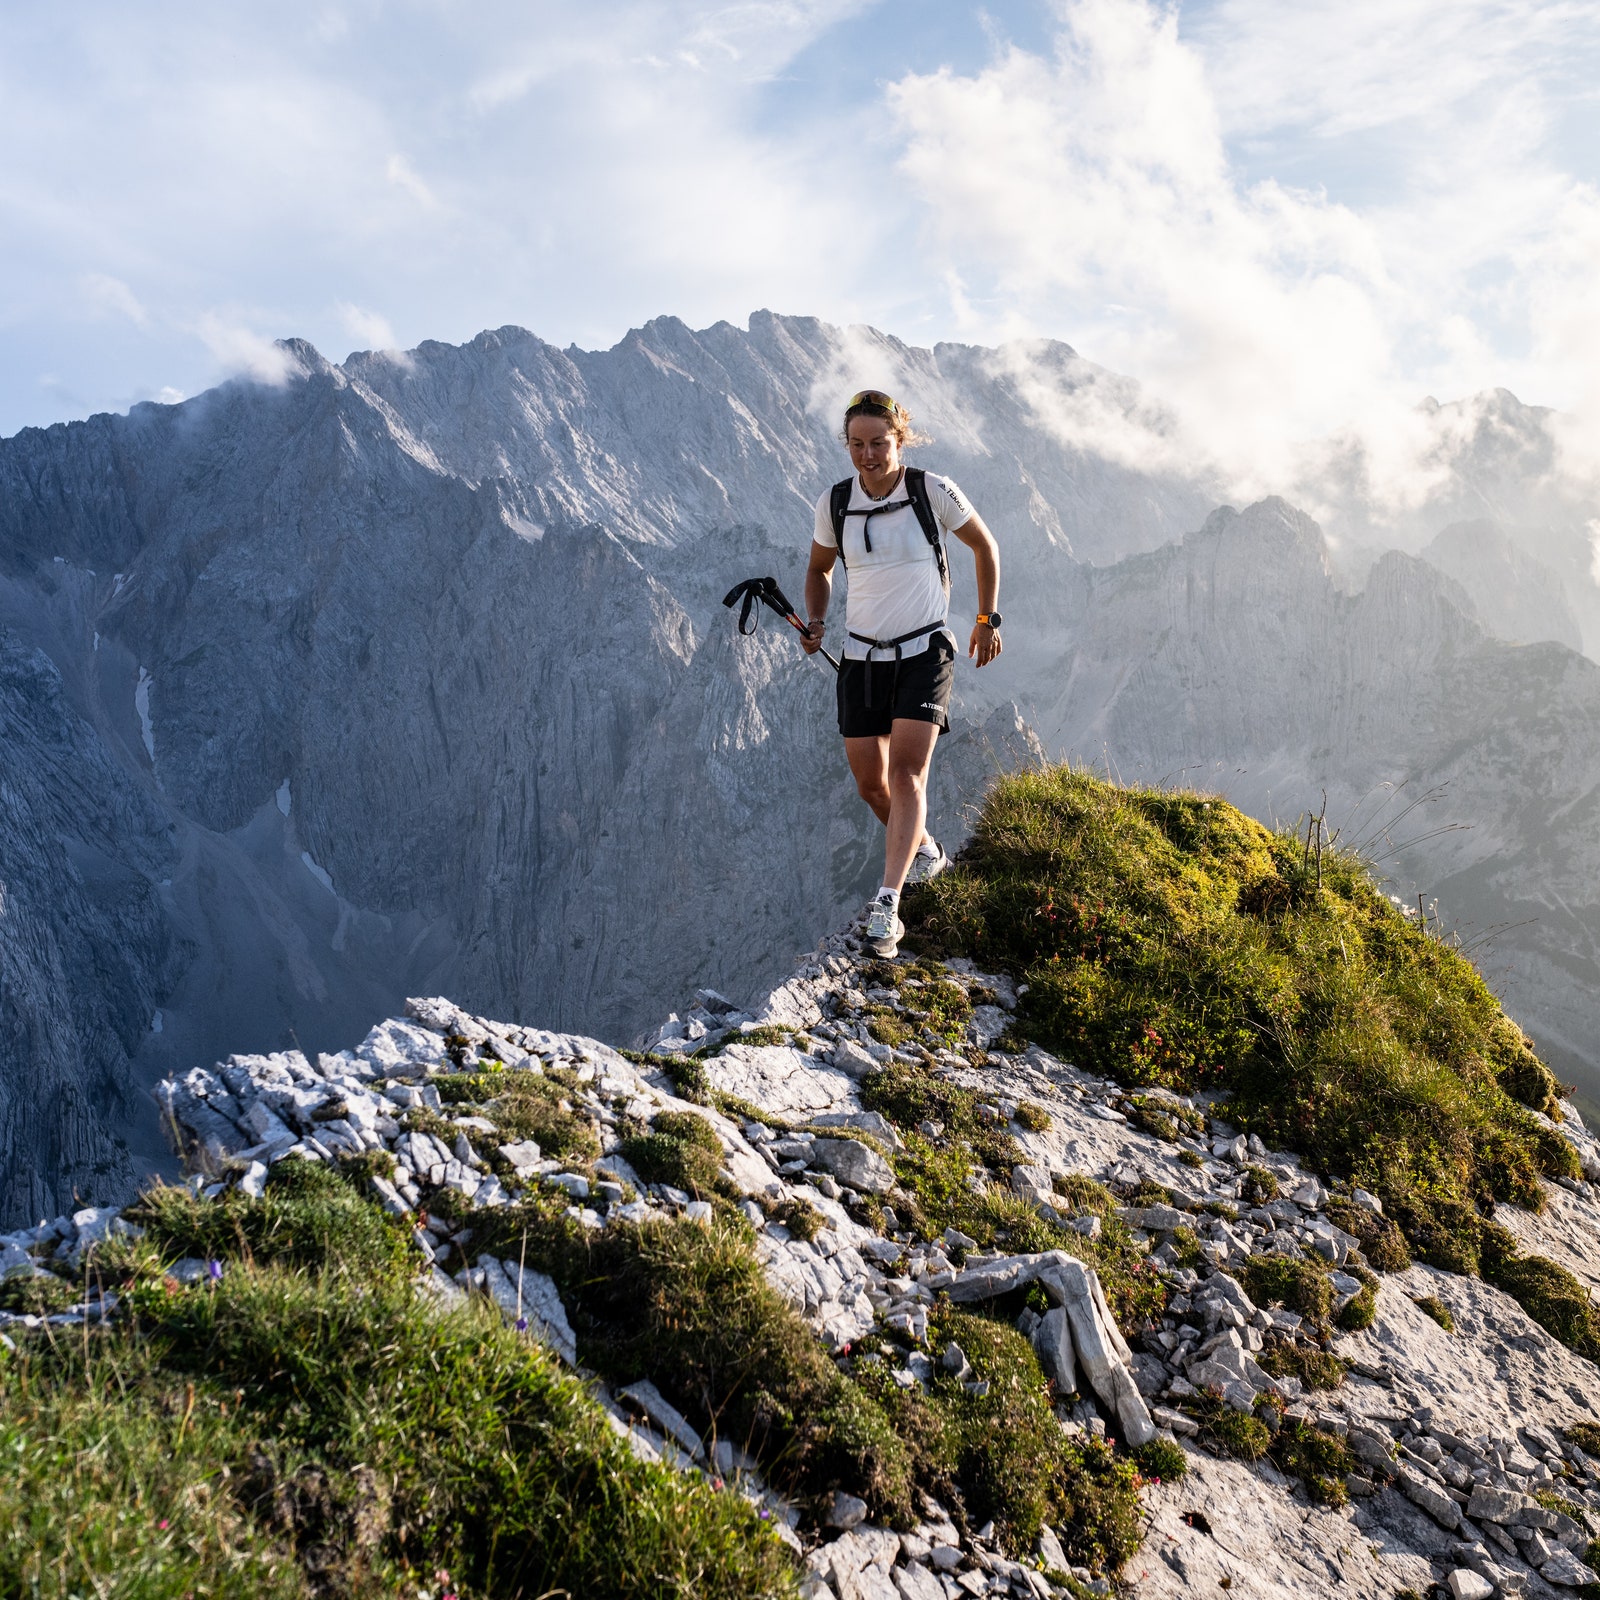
929	848
891	895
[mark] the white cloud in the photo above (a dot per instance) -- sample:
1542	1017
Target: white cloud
369	327
108	296
240	350
1288	222
399	173
1285	333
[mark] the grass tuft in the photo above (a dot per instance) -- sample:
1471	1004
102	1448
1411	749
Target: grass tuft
1169	940
1316	1369
1162	1461
307	1425
1293	1282
1438	1310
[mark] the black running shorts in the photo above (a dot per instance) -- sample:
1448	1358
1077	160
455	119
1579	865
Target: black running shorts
919	691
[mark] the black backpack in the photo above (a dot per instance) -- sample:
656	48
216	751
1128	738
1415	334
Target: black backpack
916	497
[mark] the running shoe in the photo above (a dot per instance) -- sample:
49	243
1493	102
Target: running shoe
884	927
924	867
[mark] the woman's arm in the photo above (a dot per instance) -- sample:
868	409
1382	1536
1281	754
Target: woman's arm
819	590
974	534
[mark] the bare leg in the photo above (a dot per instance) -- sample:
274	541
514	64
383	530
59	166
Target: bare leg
869	766
874	761
910	755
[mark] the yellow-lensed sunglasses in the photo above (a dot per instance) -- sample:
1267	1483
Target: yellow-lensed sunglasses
874	397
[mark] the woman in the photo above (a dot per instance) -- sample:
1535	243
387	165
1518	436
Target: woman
887	524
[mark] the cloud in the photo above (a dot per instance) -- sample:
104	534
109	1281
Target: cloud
240	350
1282	332
108	296
369	327
399	173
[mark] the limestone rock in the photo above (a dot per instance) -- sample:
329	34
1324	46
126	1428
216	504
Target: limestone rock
856	1165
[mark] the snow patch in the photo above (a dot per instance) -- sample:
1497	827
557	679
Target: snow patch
317	872
284	797
97	641
157	1022
141	704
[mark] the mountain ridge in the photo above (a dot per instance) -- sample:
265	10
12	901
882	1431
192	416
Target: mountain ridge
520	741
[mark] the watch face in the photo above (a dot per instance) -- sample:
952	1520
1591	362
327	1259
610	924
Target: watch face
995	619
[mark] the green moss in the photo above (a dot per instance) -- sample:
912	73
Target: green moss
1438	1310
1162	1118
1586	1435
1382	1242
1260	1185
690	1128
661	1158
1187	1243
1360	1313
1169	940
685	1072
1162	1461
1319	1459
770	1034
1189	1158
802	1220
1552	1501
522	1105
688	1078
1009	1459
910	1095
886	1026
1239	1435
1293	1282
730	1105
1316	1369
1553	1297
1032	1117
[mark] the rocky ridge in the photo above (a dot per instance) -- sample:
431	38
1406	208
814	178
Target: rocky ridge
221	621
1456	1467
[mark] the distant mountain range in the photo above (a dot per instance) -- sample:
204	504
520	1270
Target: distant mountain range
410	676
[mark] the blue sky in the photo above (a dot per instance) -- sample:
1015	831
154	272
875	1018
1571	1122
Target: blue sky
1285	220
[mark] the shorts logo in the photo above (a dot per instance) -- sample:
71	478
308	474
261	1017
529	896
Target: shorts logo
932	705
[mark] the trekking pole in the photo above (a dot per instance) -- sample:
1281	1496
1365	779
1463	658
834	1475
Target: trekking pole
767	592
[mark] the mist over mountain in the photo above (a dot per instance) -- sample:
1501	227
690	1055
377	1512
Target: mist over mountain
411	676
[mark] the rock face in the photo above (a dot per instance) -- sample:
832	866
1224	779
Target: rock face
410	676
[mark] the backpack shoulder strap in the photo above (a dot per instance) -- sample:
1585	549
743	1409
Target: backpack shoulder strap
916	481
838	504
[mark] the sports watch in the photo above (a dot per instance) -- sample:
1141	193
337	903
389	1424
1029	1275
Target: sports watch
993	618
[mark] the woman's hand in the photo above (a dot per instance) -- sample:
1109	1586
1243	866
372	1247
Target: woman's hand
984	645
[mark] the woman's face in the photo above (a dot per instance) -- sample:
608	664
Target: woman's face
874	450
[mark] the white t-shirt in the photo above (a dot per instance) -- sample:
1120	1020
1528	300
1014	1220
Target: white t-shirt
895	586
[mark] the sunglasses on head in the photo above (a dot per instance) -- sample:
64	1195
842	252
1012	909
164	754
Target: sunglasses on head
874	397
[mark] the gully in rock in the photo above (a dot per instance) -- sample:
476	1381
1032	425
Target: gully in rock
887	524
